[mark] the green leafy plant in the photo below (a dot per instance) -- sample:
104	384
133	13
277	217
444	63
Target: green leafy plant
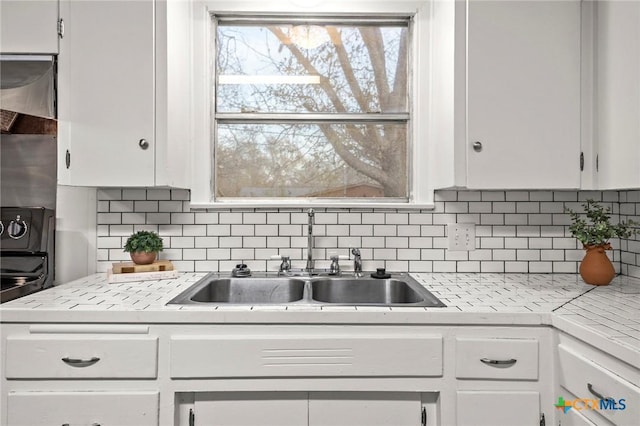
596	229
144	241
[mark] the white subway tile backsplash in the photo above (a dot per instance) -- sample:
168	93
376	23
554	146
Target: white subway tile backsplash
230	242
517	231
134	218
182	242
517	196
469	196
540	267
493	196
219	253
158	194
206	242
540	196
194	230
183	218
109	218
194	254
492	219
159	218
503	207
565	196
121	230
516	267
206	218
134	194
146	206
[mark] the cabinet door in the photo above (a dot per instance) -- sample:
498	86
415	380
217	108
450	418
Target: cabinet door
492	408
364	408
251	408
82	408
29	26
523	94
618	94
106	94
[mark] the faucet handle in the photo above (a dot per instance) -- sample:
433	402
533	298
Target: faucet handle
285	266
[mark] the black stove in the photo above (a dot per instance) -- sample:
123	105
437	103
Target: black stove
26	250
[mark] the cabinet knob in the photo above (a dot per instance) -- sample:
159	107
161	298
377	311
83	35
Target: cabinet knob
143	143
477	146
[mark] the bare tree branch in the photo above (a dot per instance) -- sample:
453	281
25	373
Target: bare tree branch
375	46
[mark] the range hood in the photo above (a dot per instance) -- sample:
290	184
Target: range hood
27	84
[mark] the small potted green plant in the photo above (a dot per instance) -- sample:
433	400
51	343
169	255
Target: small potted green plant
143	247
594	230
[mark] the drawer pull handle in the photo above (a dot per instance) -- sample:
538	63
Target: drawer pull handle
501	362
92	424
595	393
80	362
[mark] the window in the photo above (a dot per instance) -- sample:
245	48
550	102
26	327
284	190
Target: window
313	109
325	104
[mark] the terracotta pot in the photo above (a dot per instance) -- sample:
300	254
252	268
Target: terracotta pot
596	268
142	257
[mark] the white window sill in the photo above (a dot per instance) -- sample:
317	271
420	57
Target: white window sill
302	204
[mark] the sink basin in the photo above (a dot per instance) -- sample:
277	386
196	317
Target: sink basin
245	290
364	291
264	289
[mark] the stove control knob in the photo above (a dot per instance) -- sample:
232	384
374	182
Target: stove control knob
1	227
17	228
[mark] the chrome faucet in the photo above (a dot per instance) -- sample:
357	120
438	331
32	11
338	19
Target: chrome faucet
357	262
310	263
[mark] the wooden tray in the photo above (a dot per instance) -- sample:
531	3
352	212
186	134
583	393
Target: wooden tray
130	267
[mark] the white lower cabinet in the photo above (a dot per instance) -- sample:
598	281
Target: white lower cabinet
310	408
497	408
597	386
500	380
79	374
275	374
83	408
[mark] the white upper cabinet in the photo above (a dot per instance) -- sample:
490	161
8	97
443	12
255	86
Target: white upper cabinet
617	95
114	123
29	26
523	94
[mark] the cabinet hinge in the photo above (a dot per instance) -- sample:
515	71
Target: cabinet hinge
61	28
67	159
192	417
542	420
424	417
582	161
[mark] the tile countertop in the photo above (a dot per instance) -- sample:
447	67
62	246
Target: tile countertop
607	317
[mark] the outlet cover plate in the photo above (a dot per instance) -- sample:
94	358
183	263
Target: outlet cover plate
462	236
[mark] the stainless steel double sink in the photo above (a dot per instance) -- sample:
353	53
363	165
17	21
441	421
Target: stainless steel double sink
399	290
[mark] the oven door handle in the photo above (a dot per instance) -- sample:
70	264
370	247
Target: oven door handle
75	362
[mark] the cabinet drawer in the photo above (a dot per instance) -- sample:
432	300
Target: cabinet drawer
578	372
81	357
508	359
302	356
82	408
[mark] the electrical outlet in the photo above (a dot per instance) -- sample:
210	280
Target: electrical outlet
462	236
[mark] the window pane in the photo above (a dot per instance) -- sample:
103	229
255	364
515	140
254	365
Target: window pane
311	68
311	160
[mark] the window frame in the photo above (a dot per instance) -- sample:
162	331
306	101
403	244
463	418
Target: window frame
420	191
